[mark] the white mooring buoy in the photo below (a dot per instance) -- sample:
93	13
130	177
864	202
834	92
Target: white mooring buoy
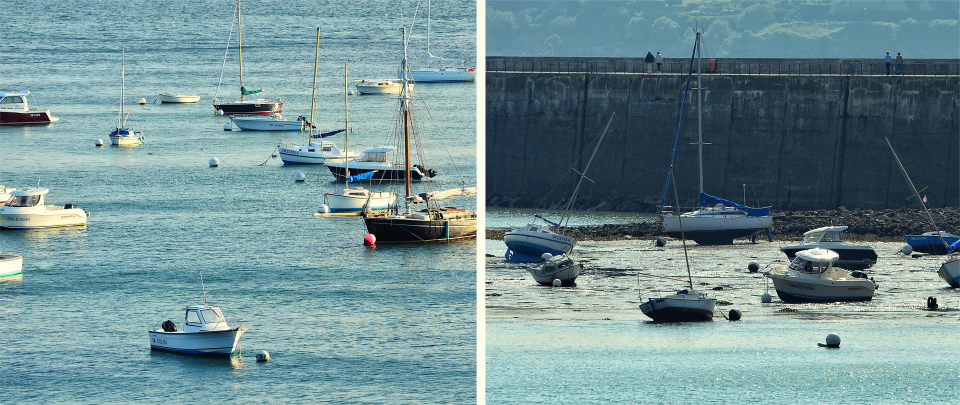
299	176
227	127
142	101
833	341
557	282
214	162
263	355
766	298
906	250
99	142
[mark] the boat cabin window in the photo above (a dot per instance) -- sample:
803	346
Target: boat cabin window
12	100
832	237
24	201
805	266
193	317
211	316
374	157
327	149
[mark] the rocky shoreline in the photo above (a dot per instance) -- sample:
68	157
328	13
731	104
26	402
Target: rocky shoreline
889	225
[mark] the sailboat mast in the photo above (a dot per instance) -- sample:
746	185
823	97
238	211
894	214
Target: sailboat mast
123	65
240	48
699	115
313	99
428	28
566	210
346	130
405	110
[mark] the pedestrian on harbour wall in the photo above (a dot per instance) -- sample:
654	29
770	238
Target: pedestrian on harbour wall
659	63
899	64
649	61
887	59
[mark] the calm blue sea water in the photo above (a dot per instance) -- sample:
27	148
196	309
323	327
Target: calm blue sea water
343	323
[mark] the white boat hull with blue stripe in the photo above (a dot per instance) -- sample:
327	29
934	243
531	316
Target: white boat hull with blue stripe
528	244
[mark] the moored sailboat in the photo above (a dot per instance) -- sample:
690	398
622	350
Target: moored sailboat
122	135
433	223
717	221
257	105
439	69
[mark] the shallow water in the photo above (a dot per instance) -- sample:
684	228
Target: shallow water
343	323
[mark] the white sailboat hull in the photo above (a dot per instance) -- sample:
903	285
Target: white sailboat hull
345	202
382	88
528	246
427	75
690	307
10	264
177	98
266	124
713	229
221	342
950	272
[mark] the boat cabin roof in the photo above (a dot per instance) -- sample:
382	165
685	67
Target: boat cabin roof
30	192
826	229
818	255
14	93
378	149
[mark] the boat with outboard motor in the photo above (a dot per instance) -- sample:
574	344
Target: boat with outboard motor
851	256
205	331
26	210
934	243
178	98
11	264
560	267
380	86
14	110
813	277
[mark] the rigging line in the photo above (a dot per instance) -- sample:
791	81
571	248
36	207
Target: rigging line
225	52
271	155
656	276
443	141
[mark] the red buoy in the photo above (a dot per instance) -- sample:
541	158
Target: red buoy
369	240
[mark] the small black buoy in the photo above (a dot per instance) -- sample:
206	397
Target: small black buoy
932	303
753	267
661	241
734	315
833	341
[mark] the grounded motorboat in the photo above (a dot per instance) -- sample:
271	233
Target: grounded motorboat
205	331
446	73
11	264
934	243
433	223
316	151
559	267
813	277
950	272
244	105
686	305
121	135
853	257
273	122
380	86
178	98
379	160
14	110
26	210
717	221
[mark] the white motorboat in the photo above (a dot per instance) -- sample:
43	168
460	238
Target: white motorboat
14	110
205	331
379	160
717	221
380	86
26	210
178	98
11	264
950	272
439	69
244	105
812	277
559	267
123	136
851	256
686	305
273	122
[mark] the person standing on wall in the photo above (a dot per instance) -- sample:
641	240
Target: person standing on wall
899	64
659	63
649	61
887	59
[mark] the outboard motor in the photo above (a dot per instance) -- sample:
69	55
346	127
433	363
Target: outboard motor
431	173
169	326
68	206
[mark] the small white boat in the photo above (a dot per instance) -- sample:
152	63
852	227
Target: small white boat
15	110
380	86
11	264
205	331
273	122
684	306
178	98
446	73
26	210
560	267
812	277
314	153
851	256
950	272
355	200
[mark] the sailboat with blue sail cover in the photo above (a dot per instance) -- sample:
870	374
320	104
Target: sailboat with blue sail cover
529	243
717	221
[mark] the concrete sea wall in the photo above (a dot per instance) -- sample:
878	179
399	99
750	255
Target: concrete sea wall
791	142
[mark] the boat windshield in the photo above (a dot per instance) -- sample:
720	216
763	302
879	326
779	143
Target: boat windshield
374	157
23	201
805	266
211	316
193	317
